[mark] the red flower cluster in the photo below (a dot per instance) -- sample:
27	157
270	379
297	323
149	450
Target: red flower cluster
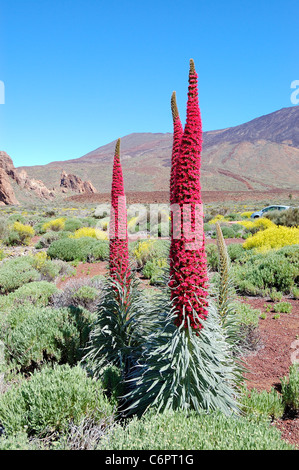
188	268
118	252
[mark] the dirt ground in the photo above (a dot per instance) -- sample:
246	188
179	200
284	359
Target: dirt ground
155	197
278	348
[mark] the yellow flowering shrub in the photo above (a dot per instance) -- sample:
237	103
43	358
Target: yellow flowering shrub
25	232
273	237
246	214
55	225
39	259
143	250
260	224
90	232
216	219
132	224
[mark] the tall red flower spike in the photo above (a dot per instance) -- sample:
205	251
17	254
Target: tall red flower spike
189	280
177	139
118	235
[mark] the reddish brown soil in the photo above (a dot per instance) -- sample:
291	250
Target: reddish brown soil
207	196
85	270
272	360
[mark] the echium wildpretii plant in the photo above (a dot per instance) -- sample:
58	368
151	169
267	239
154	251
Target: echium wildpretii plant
122	322
188	362
118	235
177	139
188	264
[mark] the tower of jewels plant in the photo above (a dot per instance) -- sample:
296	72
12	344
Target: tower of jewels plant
187	363
188	265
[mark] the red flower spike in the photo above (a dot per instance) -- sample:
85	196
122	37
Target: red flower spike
118	247
188	262
177	138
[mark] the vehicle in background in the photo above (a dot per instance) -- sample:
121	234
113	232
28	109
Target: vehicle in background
267	209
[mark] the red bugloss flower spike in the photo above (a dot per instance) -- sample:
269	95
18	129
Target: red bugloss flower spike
118	235
189	280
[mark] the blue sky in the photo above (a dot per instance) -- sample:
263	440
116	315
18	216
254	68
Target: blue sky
80	73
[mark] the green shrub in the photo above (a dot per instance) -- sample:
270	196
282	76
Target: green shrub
72	224
182	431
262	404
212	256
274	269
228	232
274	295
248	322
154	270
19	234
81	249
3	228
85	293
18	441
295	292
16	218
288	218
34	334
46	240
52	400
283	307
235	251
14	273
147	250
290	388
37	293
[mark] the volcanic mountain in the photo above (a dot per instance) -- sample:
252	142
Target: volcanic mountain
262	154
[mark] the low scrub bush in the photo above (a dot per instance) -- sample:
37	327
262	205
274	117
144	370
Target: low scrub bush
85	293
19	234
72	224
228	232
248	322
235	251
15	273
34	334
262	404
288	218
36	293
147	250
212	257
51	401
184	431
82	249
154	270
274	295
275	269
283	307
290	388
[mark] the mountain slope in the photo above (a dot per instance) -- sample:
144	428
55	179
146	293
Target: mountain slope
258	155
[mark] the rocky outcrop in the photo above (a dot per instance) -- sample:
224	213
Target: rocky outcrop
9	174
37	186
76	184
7	195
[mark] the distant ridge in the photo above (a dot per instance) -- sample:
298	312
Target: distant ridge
262	154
